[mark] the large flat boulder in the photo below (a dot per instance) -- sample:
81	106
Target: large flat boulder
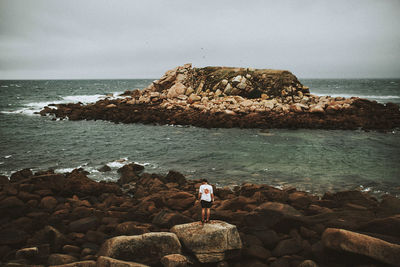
148	248
211	242
343	240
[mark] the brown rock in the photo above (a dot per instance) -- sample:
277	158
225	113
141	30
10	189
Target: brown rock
86	263
180	200
287	247
4	180
20	175
258	252
387	226
27	253
137	247
12	236
131	228
48	203
175	260
110	262
176	177
343	240
169	219
11	202
83	225
70	249
59	259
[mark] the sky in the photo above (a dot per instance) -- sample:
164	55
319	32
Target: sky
98	39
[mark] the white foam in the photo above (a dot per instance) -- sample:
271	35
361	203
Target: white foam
117	163
35	107
1	163
64	170
361	96
8	156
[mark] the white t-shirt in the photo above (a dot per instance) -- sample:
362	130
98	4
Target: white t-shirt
206	190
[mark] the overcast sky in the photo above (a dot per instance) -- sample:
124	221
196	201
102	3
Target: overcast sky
142	39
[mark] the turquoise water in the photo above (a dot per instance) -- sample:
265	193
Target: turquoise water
312	160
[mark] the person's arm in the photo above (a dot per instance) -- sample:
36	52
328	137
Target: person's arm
200	192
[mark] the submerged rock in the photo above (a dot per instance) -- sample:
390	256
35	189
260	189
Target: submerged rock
211	242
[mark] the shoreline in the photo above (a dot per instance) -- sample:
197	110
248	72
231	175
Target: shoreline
68	217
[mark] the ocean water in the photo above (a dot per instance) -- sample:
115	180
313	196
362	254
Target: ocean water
312	160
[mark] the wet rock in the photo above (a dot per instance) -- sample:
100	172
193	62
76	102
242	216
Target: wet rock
59	259
175	260
20	175
211	242
105	168
147	248
343	240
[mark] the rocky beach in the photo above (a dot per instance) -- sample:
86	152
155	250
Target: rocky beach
144	219
223	97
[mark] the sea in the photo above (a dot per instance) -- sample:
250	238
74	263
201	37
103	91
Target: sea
315	161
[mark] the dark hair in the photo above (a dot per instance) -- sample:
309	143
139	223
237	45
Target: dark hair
204	180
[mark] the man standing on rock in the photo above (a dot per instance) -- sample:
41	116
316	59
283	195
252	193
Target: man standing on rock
206	197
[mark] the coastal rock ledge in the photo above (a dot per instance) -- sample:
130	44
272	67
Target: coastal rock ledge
225	97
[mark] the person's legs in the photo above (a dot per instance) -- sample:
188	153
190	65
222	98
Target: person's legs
202	214
208	214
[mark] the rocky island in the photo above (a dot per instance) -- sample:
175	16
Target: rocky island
143	219
234	97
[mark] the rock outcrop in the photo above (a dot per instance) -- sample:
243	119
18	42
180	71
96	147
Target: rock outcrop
233	97
212	242
68	219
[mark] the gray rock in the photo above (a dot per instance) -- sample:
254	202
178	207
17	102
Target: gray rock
148	248
211	242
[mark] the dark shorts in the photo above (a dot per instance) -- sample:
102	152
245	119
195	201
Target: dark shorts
206	204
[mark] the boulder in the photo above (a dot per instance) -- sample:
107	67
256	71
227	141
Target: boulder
87	263
175	260
287	247
168	219
387	226
148	248
103	261
211	242
343	240
20	175
83	225
179	200
270	213
12	236
27	253
59	259
257	252
48	203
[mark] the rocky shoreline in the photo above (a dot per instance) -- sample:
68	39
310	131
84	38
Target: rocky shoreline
221	97
50	219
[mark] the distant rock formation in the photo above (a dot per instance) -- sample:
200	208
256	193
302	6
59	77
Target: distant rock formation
225	81
234	97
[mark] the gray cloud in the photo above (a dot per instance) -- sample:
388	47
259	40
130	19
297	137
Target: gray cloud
142	39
